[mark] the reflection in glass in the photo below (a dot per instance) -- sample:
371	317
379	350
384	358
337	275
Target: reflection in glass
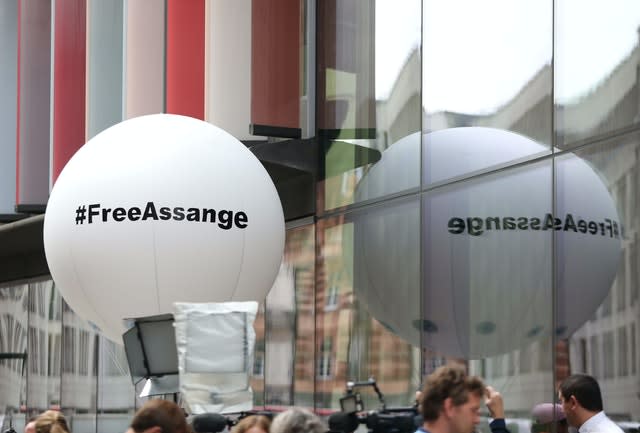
454	152
480	69
383	246
289	324
367	267
115	391
256	374
596	62
589	245
606	345
368	92
345	74
45	346
79	372
487	263
13	340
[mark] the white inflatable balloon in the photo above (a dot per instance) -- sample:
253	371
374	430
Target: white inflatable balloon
487	261
161	209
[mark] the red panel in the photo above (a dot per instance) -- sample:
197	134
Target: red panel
185	57
68	81
275	63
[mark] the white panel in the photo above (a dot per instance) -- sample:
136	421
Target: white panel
145	54
228	67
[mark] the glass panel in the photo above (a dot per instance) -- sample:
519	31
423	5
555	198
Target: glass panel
79	372
487	284
13	342
116	402
380	253
256	374
45	331
487	67
632	348
487	263
607	277
623	355
596	68
289	325
368	100
367	305
8	107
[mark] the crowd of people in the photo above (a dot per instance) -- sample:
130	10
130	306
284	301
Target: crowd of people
449	403
451	400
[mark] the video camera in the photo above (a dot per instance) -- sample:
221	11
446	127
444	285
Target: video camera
381	420
210	422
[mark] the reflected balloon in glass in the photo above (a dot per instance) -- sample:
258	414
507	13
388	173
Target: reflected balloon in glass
487	262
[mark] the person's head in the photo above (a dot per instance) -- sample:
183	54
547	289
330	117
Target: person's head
159	416
51	421
544	415
452	397
296	420
253	424
30	427
580	397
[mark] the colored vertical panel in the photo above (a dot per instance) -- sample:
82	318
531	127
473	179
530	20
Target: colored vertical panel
8	112
104	64
144	68
275	63
68	81
228	66
185	57
34	81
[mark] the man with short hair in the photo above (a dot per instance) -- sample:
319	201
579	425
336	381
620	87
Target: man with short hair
581	402
451	399
159	416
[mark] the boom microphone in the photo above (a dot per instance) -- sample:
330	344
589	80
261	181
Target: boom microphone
209	423
343	422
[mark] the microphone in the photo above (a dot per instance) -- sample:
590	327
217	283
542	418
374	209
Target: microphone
265	413
343	422
208	423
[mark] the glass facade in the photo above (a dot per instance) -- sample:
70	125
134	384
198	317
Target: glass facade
511	248
68	366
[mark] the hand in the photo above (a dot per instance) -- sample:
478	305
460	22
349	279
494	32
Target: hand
493	400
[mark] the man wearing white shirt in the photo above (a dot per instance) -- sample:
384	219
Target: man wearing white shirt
581	401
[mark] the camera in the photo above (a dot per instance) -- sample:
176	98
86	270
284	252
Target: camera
351	403
381	420
210	422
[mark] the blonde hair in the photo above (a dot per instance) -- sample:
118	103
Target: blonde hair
259	421
51	421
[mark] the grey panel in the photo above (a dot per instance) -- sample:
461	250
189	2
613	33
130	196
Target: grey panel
34	115
8	90
105	71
